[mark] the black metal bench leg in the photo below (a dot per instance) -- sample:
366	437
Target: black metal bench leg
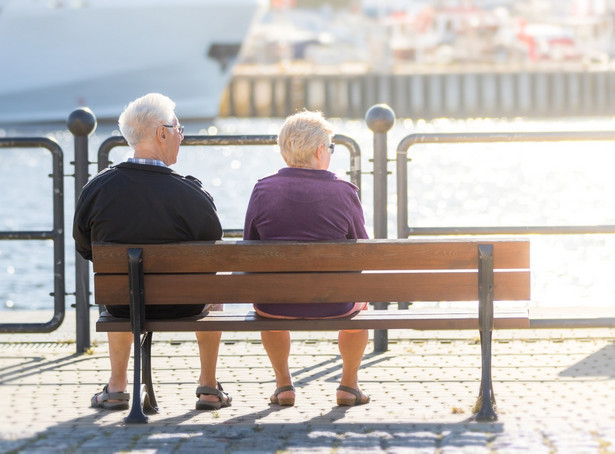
486	397
381	336
136	415
137	318
150	405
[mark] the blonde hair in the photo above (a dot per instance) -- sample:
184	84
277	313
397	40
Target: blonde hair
143	115
301	135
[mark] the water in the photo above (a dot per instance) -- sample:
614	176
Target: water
449	185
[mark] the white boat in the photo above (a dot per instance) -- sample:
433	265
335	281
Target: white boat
57	55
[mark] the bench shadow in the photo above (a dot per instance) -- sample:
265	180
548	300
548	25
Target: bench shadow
598	364
333	366
321	433
335	415
324	431
36	365
249	418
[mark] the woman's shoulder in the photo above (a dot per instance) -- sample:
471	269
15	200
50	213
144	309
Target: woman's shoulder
347	185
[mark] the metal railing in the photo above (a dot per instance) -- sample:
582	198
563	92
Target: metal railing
239	140
353	147
380	119
82	123
404	230
56	235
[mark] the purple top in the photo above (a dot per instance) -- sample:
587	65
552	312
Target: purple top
304	205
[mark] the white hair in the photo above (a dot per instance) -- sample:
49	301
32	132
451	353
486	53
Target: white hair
144	115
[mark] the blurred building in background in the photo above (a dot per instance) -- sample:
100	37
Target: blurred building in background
401	35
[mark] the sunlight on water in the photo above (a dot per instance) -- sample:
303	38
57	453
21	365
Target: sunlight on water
549	183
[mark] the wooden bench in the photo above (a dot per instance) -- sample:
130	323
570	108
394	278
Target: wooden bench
408	270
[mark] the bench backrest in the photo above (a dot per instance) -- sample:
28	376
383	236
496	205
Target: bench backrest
289	272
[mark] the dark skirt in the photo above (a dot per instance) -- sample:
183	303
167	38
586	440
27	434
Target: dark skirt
162	311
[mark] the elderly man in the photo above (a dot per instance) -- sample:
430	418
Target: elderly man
143	200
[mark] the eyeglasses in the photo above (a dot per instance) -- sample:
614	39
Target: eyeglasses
178	128
332	148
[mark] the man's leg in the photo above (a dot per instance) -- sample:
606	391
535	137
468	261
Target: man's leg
120	346
209	344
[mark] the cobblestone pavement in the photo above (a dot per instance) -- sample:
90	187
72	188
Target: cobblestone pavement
555	393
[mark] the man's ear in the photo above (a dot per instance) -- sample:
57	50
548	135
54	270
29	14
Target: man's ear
160	133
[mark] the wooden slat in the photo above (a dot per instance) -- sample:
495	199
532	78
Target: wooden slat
250	256
393	319
311	287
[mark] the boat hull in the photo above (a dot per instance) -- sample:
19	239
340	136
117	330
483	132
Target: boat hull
102	54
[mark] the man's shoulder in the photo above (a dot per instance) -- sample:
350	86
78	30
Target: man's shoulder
191	179
101	176
129	167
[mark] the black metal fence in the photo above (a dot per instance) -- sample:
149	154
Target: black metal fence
404	230
380	119
56	234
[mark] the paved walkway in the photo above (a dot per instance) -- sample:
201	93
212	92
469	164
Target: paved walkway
555	391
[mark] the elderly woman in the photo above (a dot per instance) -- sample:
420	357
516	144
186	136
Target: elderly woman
306	202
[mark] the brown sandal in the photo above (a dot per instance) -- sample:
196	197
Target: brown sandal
225	399
120	397
358	399
284	402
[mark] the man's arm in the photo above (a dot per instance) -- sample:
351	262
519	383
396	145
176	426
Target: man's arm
81	232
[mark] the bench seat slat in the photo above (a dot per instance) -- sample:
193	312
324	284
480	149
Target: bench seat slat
433	319
251	256
300	287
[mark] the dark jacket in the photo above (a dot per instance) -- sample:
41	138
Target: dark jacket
138	203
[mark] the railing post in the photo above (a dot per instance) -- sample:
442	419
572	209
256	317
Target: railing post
380	118
82	123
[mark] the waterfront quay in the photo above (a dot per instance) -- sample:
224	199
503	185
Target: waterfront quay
421	93
554	391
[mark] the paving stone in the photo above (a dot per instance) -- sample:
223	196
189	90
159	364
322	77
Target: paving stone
421	442
422	389
511	442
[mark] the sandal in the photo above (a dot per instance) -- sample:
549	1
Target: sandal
285	402
358	399
106	396
225	399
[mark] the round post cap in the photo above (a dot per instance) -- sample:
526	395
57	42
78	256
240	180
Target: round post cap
81	122
380	118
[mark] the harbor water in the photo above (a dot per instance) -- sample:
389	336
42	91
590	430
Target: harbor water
495	184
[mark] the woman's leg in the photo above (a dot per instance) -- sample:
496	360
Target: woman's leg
277	346
352	345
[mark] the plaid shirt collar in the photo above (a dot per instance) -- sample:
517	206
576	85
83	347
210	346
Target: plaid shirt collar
151	162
